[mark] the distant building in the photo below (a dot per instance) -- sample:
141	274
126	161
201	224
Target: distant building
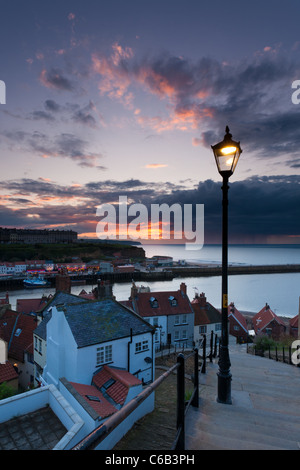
293	326
31	236
207	318
31	306
125	268
237	324
170	312
265	321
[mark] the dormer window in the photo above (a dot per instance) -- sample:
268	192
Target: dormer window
173	301
153	302
18	332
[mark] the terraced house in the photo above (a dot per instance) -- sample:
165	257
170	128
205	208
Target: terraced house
169	312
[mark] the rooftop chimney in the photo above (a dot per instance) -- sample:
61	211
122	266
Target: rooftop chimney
104	290
134	291
183	288
201	300
63	282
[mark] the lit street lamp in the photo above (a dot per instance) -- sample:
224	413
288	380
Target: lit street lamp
227	154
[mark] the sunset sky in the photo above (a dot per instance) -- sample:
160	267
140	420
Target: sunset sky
110	98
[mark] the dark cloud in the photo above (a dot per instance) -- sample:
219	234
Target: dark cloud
51	105
54	78
259	207
64	145
37	115
84	116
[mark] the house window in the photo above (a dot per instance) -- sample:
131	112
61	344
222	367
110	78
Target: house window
173	301
202	329
184	334
104	355
236	328
218	326
184	319
155	321
141	346
177	319
176	336
153	302
38	344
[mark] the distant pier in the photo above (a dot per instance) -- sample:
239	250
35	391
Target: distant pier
15	283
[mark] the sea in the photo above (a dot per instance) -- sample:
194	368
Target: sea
249	292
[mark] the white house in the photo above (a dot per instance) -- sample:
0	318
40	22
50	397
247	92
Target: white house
97	357
82	337
40	333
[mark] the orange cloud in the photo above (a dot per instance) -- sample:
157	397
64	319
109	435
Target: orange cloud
156	165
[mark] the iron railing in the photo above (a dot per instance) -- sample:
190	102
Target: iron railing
94	439
279	354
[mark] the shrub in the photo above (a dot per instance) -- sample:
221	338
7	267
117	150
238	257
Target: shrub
6	391
263	343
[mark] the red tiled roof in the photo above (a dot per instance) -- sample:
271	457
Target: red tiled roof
30	305
234	313
7	372
118	391
142	304
10	323
264	317
101	406
205	313
294	322
86	295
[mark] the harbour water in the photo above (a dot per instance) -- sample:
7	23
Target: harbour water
248	292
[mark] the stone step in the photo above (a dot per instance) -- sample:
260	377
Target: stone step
241	428
265	410
205	440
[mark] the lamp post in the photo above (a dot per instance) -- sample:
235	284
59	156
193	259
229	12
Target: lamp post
226	154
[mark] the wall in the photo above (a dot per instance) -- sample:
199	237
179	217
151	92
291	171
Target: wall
209	328
27	402
189	327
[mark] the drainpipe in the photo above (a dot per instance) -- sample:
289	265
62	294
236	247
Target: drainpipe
12	333
128	352
153	356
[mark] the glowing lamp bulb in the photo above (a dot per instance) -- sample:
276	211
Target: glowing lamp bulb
228	150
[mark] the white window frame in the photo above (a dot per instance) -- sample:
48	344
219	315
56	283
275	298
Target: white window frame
103	355
184	318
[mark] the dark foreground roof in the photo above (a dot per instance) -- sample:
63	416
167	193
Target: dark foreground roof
60	298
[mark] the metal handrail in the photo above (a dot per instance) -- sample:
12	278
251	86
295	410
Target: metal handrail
94	438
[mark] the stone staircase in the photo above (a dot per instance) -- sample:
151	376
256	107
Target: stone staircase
265	410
